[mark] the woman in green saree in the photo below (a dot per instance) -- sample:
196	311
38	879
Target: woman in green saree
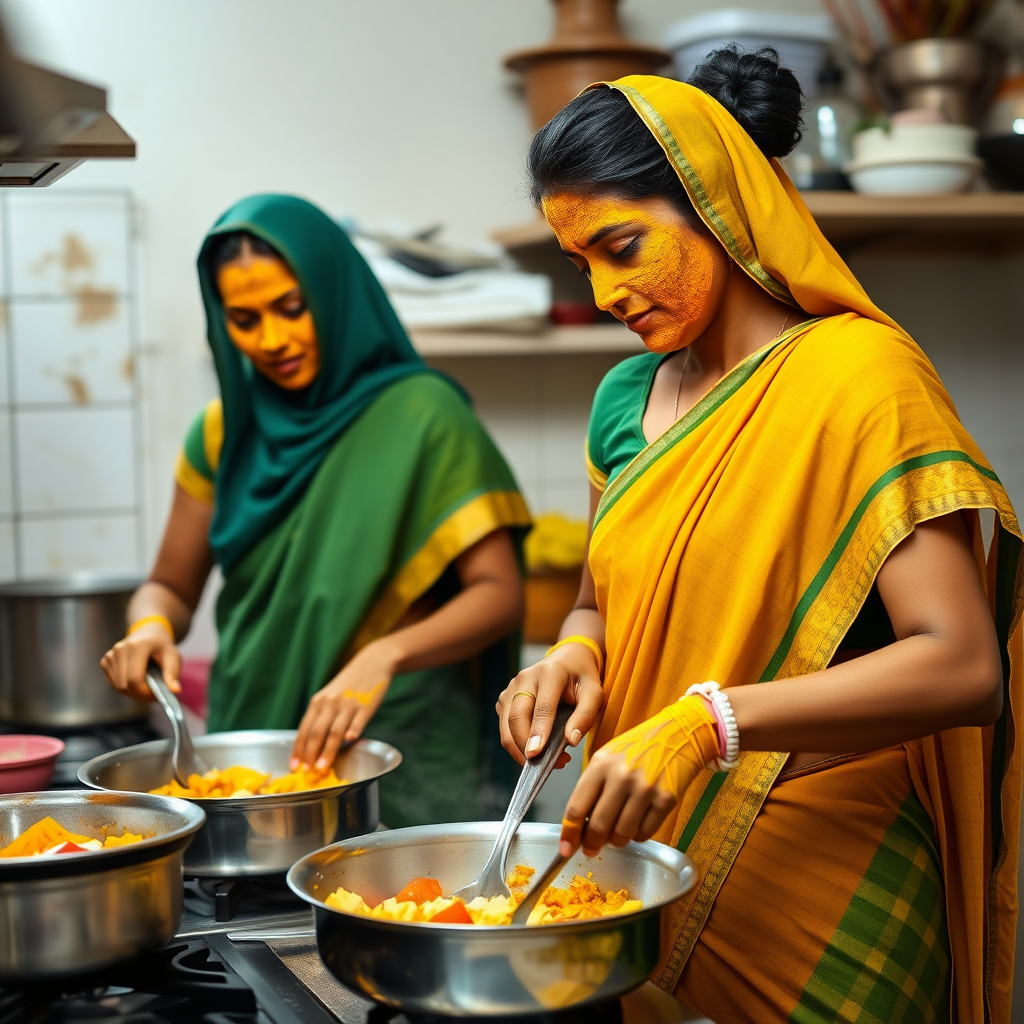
364	521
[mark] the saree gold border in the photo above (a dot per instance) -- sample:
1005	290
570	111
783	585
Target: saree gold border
919	495
191	481
698	195
892	515
460	531
213	433
716	844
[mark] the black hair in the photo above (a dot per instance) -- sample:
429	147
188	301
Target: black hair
228	247
598	144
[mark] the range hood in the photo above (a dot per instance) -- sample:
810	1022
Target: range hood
50	123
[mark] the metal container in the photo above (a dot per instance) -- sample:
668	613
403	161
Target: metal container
479	971
53	634
953	76
257	835
82	911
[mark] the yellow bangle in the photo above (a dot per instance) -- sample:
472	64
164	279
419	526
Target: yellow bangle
587	642
145	620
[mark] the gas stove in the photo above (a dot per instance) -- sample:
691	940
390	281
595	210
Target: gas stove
245	954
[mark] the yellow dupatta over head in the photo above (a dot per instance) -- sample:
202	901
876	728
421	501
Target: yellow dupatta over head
741	544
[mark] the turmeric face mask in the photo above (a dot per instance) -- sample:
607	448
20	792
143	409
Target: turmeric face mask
647	266
268	321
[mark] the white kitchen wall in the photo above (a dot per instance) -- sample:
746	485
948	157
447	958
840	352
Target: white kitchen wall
69	466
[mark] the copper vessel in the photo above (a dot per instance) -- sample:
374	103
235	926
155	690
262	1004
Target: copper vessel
588	46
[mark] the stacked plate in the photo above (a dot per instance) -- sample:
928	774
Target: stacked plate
914	159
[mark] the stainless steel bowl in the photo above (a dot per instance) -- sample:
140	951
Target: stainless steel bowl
258	835
82	911
471	970
53	633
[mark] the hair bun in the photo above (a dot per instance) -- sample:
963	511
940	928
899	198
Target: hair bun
763	96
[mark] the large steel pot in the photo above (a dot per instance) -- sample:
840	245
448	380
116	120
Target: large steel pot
466	970
82	911
52	635
258	835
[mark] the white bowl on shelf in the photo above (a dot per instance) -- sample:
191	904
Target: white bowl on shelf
914	142
912	176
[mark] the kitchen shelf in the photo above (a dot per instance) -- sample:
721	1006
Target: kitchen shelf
994	220
553	341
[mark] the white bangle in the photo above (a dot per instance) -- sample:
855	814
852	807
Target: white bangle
713	692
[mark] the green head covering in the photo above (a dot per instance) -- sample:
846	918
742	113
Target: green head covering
275	439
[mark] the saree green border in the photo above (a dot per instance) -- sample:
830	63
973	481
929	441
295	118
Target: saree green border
697	193
941	482
717	396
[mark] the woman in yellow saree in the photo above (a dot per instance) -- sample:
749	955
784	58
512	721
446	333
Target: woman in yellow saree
783	496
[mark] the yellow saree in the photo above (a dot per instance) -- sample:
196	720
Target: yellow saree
740	547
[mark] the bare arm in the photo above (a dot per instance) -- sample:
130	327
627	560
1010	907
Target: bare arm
569	674
943	671
488	607
172	590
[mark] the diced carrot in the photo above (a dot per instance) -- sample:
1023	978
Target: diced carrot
420	890
71	848
455	914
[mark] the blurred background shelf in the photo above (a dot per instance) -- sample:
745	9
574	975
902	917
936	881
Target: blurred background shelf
848	220
553	341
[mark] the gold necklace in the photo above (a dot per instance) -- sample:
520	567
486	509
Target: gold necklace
689	354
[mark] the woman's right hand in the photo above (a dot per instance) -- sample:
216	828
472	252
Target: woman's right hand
569	673
125	663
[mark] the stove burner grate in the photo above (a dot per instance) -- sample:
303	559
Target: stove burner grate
183	983
224	898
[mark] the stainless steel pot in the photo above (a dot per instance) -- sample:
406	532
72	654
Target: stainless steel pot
479	971
52	635
258	835
82	911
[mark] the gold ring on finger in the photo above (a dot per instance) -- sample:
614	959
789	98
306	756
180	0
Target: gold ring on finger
522	693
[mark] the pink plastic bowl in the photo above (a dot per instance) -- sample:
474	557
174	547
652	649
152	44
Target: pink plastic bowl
27	763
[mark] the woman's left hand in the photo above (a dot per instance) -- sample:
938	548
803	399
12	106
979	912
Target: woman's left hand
635	780
339	712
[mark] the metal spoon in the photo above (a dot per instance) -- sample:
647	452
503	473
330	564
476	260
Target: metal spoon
185	761
491	880
540	886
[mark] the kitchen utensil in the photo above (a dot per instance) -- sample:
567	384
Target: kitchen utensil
587	46
27	762
53	633
913	177
184	759
257	835
914	142
956	77
799	39
491	880
82	911
475	970
540	883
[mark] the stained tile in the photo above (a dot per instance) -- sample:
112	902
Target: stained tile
6	480
4	356
7	563
75	460
51	547
69	244
70	352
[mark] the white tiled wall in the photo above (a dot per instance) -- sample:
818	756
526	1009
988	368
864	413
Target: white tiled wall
68	416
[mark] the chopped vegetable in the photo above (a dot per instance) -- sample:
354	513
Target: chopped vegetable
420	890
242	782
48	836
455	914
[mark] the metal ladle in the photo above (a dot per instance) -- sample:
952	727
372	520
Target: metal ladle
184	760
491	880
